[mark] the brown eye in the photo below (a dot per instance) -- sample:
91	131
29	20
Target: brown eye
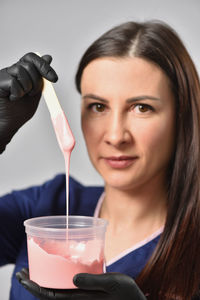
143	108
97	107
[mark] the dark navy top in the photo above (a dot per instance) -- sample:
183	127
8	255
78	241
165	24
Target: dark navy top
49	199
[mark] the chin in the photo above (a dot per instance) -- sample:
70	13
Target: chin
119	183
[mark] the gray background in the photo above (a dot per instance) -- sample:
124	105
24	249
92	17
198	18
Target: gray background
64	29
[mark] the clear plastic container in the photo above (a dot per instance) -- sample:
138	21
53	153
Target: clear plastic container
56	254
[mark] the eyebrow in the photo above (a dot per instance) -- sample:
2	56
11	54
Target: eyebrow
129	100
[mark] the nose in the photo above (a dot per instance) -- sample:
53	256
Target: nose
117	132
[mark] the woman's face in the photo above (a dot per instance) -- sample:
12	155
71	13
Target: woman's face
128	120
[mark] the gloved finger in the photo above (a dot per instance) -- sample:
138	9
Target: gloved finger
34	288
16	91
42	66
78	294
39	292
47	58
35	77
59	294
101	282
9	85
23	274
23	79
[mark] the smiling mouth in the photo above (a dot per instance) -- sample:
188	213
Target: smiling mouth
120	162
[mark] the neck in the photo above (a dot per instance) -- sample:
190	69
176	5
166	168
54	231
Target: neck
138	208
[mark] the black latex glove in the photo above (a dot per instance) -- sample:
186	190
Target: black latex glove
108	286
20	92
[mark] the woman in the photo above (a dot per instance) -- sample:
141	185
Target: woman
140	118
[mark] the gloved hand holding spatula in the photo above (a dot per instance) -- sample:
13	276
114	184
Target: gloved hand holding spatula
20	91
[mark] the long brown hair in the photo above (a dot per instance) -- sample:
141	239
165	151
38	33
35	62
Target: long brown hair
173	271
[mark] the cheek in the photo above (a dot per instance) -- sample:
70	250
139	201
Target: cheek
92	132
157	139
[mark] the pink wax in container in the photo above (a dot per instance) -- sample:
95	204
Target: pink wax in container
54	263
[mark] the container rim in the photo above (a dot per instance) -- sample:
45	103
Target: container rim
101	223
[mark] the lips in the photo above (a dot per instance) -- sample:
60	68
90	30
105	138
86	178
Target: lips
119	162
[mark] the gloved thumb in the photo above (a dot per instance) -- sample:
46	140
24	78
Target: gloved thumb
117	285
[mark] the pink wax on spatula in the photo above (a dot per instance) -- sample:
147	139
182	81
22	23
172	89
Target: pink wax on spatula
56	251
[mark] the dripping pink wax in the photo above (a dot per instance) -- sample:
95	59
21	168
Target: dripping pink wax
66	142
